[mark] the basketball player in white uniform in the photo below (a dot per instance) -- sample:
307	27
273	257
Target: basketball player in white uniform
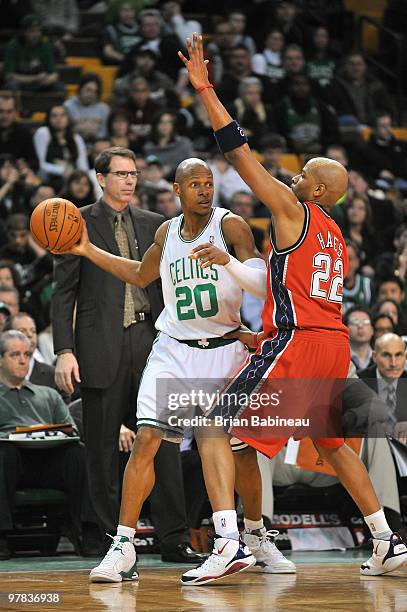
201	305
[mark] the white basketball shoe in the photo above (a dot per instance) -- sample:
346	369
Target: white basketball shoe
228	557
388	555
119	563
262	545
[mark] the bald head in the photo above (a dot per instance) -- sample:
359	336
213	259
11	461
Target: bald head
187	166
331	176
386	340
390	356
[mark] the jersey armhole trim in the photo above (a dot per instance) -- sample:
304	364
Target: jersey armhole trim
221	231
165	239
300	240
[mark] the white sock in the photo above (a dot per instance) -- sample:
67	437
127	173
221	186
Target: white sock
253	525
225	523
378	525
129	532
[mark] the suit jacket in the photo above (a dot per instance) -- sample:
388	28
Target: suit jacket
99	298
44	375
369	376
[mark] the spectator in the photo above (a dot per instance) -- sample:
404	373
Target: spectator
359	322
140	108
164	142
239	68
384	376
33	263
59	150
338	153
166	47
285	19
29	63
294	65
175	22
78	188
355	94
166	203
269	61
41	192
39	372
218	50
121	35
60	18
250	111
143	63
15	139
4	315
153	181
272	148
120	134
10	298
14	192
86	111
226	179
393	310
321	65
387	153
199	128
307	124
243	204
8	274
359	228
382	324
238	21
62	467
356	287
390	288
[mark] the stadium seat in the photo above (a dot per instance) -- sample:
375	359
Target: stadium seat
290	161
83	47
69	73
35	102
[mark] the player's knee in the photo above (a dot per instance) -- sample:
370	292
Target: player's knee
146	444
247	457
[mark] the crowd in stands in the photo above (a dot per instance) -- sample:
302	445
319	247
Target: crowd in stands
284	69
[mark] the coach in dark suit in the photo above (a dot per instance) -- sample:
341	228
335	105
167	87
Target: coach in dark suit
114	331
388	378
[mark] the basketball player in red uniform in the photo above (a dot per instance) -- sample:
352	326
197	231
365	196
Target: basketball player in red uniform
304	337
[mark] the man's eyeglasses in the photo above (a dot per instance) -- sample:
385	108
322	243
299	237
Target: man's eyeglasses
122	174
360	322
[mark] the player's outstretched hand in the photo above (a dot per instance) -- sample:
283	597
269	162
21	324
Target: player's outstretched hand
81	247
245	335
196	64
208	254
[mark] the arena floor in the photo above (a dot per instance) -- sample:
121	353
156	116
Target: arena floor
325	582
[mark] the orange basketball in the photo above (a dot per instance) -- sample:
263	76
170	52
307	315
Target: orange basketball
56	224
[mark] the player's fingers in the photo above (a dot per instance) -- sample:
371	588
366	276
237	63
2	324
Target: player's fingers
183	58
76	373
189	47
204	245
200	48
120	445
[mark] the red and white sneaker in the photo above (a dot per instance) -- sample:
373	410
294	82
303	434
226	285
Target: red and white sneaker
228	557
388	555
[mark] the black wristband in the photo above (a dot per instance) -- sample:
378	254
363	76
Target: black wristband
230	137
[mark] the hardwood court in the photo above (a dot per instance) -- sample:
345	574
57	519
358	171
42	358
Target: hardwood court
322	587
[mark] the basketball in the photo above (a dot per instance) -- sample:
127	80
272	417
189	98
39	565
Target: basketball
56	224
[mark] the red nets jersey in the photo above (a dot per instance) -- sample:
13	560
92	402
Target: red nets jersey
304	285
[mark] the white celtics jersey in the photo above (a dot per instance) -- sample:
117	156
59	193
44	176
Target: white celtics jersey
198	302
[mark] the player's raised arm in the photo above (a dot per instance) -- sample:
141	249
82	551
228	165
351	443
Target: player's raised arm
139	273
231	140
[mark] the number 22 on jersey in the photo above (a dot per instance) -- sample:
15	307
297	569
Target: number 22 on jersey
327	278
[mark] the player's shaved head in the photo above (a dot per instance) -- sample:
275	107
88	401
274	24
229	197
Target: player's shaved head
331	174
188	166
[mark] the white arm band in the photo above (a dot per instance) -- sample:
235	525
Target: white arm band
250	275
